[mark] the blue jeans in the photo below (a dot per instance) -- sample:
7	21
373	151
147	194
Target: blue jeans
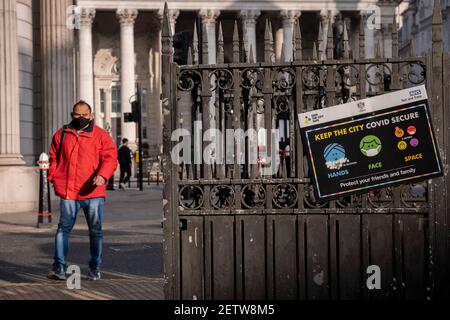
93	211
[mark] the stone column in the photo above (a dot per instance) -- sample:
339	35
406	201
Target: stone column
127	18
279	41
289	18
154	107
108	109
173	16
209	22
56	67
86	57
369	38
97	108
248	18
9	86
386	42
324	16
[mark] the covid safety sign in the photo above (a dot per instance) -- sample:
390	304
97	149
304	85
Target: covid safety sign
371	143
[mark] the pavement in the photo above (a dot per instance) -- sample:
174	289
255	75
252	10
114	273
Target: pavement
132	266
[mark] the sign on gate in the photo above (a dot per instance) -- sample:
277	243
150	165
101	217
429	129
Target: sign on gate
371	143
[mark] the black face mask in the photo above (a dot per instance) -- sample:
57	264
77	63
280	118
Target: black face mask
79	123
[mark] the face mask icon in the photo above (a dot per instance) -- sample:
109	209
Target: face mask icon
370	146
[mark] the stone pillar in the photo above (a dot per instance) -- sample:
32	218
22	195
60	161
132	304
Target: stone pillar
108	110
279	40
324	17
86	57
9	86
248	18
127	18
369	37
56	68
386	41
209	22
173	16
289	18
97	108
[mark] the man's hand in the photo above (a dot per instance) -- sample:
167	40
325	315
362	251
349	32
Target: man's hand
99	181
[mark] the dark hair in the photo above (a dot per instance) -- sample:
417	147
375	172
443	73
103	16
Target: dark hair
124	140
80	103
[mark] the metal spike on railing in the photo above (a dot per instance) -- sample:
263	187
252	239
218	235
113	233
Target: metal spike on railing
346	44
314	53
183	172
437	45
166	33
190	171
283	53
220	55
362	39
205	54
195	44
284	169
298	42
412	49
267	39
320	42
378	49
235	43
250	55
330	44
272	50
394	37
189	56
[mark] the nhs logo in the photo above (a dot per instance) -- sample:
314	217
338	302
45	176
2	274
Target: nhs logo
415	92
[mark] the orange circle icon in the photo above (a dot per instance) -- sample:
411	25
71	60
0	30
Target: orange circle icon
399	132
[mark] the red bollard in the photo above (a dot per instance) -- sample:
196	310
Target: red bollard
45	210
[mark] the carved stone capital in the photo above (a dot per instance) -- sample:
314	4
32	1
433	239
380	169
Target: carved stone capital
249	17
290	16
173	15
209	16
87	16
126	16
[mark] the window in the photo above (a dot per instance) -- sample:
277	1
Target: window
115	100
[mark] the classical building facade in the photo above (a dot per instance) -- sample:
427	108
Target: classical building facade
55	52
415	32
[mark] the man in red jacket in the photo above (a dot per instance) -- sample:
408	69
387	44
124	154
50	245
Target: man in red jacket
82	158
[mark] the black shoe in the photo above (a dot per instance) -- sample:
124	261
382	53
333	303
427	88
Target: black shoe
57	274
94	275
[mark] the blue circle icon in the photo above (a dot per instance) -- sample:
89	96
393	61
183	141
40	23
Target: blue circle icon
334	152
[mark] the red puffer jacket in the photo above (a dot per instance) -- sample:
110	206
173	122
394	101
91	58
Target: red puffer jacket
84	155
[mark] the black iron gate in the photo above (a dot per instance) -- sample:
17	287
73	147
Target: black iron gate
234	231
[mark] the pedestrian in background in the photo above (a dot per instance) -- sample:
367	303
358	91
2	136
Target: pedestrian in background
83	157
124	154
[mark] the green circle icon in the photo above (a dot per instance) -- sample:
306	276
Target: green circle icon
370	146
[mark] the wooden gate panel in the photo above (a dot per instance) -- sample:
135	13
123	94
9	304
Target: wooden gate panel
380	251
346	239
220	273
413	256
191	255
282	256
253	256
317	254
